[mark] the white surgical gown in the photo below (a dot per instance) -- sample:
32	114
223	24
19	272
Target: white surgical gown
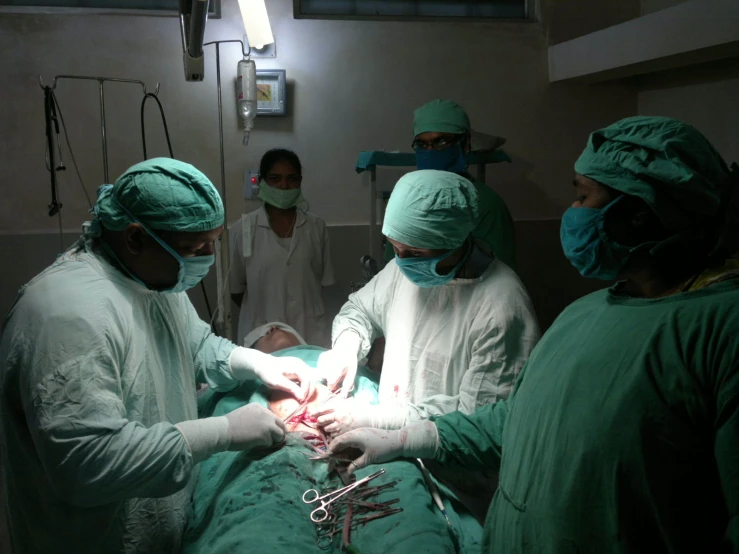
454	347
279	283
95	370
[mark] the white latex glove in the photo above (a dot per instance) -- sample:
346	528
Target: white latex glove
420	440
276	373
341	415
340	363
253	426
248	427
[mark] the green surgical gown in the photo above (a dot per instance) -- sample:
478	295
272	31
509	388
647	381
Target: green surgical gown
495	225
95	370
622	434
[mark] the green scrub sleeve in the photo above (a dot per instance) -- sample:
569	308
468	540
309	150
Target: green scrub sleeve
474	441
495	226
727	448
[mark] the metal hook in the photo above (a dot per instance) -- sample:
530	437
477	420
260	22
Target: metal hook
100	80
244	51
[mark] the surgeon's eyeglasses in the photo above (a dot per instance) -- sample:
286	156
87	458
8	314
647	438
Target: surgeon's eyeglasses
440	143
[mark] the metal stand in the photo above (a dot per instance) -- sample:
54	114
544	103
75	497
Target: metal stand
224	283
101	81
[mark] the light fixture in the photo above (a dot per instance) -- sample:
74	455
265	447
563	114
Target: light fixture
256	23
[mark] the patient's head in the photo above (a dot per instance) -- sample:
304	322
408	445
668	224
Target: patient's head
276	339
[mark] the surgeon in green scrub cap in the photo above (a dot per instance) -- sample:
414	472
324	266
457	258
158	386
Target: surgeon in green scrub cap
98	364
441	131
622	431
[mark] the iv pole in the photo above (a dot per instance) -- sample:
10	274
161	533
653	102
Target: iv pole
222	269
101	81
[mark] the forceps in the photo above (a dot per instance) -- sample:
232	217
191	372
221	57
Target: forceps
321	512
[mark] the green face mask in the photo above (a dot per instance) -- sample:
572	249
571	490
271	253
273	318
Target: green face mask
279	198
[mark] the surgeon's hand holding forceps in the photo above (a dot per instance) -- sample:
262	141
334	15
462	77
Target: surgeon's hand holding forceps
321	512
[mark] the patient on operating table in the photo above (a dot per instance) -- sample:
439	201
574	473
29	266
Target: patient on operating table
252	502
277	337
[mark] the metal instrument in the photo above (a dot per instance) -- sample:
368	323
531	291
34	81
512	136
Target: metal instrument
321	513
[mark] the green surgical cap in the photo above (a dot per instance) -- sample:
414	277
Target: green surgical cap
431	209
667	163
440	116
165	194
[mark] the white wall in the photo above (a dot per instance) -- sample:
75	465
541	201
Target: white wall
354	87
568	19
355	83
712	107
650	6
706	96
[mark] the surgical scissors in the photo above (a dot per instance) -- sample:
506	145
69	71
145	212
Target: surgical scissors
321	512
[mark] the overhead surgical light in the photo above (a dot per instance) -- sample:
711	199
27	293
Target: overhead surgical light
193	16
256	23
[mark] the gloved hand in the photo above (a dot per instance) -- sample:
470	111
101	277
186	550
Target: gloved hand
253	426
341	415
420	440
340	363
250	426
276	373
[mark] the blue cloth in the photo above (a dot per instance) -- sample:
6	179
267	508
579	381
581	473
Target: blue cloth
368	160
587	245
422	271
451	159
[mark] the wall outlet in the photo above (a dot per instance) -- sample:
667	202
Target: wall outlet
251	184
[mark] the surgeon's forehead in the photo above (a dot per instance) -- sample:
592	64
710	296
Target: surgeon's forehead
183	238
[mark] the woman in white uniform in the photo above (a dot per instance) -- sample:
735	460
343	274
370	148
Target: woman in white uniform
280	256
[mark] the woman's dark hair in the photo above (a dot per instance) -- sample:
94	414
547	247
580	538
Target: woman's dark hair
271	157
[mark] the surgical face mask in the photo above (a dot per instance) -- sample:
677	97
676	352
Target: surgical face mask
279	198
588	247
450	159
422	271
191	270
